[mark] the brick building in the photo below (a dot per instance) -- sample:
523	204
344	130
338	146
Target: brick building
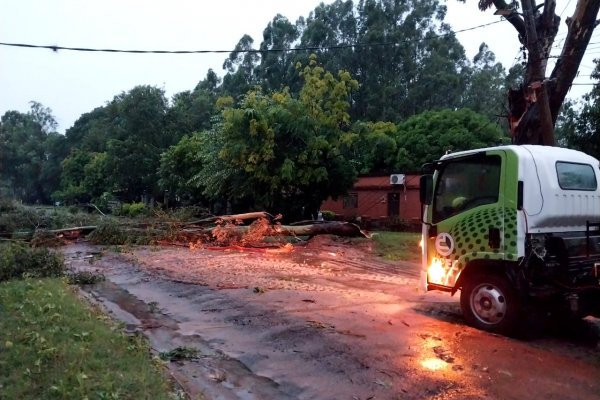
378	203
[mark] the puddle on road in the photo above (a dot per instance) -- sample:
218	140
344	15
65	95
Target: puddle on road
119	301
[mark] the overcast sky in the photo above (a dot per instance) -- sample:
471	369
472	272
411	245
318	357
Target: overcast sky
72	83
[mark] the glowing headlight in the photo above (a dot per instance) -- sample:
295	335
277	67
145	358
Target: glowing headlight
436	272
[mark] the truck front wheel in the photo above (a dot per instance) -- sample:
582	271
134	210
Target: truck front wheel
489	303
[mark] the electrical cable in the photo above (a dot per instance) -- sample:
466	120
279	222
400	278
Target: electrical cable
56	48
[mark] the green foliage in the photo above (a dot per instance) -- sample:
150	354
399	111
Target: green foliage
425	70
178	166
54	347
578	125
428	136
111	233
108	233
281	153
373	147
485	92
132	209
30	154
28	218
192	110
84	278
328	215
18	261
117	147
17	217
84	177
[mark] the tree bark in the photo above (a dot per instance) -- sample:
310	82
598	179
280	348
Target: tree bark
534	107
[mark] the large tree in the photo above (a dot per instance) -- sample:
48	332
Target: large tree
280	152
30	154
534	107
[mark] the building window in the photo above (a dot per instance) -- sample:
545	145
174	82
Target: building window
351	201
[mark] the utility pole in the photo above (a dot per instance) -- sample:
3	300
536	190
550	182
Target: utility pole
537	79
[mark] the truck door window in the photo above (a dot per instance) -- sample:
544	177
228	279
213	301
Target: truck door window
574	176
465	184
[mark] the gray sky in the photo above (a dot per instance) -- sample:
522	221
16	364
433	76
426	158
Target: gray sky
72	83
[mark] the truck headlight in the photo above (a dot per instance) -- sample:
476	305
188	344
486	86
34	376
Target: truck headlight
436	273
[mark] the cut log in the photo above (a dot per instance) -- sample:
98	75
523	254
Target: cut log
81	229
326	228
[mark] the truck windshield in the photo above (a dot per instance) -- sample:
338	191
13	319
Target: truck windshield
465	184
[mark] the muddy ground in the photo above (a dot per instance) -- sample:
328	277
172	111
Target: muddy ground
327	321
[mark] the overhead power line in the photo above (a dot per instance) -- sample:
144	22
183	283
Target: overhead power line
235	51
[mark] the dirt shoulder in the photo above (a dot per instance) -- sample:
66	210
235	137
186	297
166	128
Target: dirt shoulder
326	321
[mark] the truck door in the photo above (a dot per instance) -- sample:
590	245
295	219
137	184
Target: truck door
466	216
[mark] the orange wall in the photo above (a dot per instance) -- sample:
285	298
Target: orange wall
373	202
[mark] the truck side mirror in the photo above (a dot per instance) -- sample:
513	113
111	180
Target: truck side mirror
426	189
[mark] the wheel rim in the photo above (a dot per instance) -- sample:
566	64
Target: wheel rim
488	304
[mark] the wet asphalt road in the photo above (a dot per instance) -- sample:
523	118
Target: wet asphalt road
327	322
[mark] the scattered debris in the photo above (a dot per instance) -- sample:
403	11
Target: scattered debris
85	278
350	333
443	354
383	383
505	372
318	325
180	353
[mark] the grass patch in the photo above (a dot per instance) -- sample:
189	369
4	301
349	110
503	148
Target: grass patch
398	246
55	347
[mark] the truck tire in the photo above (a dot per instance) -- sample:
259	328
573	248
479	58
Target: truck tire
489	303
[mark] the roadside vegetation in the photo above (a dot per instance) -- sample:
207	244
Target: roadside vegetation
398	246
54	346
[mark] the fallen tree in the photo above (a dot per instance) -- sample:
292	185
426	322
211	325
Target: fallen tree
248	229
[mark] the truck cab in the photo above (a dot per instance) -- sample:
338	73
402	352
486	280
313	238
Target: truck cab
512	225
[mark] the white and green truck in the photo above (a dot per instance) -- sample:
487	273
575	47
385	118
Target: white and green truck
513	226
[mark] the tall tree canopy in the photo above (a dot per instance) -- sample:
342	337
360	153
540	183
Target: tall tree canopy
405	57
30	154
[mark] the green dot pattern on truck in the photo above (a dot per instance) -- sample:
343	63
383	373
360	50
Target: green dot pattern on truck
472	240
